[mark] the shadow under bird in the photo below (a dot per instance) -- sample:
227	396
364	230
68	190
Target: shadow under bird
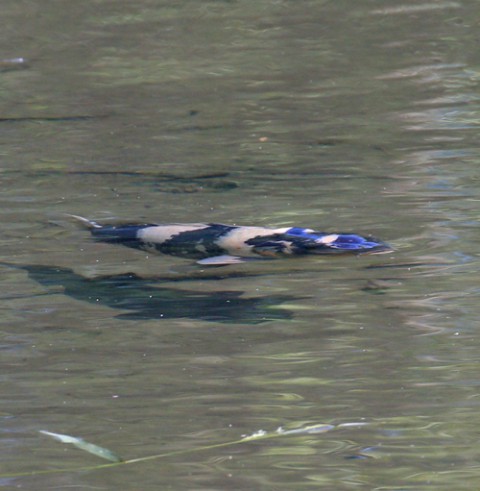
146	299
215	244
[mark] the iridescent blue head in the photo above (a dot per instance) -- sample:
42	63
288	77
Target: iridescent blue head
313	242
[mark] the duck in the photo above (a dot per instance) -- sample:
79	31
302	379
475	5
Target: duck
216	244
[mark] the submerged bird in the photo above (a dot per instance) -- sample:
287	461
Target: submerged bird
216	244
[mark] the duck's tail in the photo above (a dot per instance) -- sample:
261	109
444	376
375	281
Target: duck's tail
88	224
114	234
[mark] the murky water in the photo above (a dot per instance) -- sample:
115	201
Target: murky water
342	116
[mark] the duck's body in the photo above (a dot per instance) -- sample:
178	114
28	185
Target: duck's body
217	244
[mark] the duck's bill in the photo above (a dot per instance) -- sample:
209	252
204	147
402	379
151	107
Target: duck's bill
353	244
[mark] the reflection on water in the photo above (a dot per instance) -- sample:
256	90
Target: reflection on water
146	301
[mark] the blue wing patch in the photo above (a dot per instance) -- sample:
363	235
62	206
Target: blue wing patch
302	232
